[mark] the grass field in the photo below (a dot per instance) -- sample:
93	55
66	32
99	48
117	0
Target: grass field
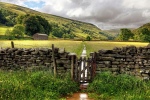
3	29
71	46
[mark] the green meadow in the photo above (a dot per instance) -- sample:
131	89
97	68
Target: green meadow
3	29
70	45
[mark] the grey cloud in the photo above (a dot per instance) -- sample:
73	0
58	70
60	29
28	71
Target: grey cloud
82	3
102	11
114	14
129	17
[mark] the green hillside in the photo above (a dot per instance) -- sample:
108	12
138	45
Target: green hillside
80	29
111	33
137	31
147	25
142	33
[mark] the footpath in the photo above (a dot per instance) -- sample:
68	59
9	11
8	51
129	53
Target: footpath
83	86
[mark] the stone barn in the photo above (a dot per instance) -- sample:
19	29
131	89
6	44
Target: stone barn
40	36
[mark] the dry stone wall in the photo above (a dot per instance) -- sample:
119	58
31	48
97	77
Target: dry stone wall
129	60
20	58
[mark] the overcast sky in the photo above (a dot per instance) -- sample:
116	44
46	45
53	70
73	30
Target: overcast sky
106	14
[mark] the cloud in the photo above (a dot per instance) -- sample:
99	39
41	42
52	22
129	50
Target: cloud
103	13
140	4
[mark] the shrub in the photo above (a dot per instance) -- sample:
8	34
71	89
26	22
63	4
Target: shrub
88	38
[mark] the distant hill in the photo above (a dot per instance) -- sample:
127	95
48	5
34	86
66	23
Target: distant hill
147	25
80	29
112	32
142	33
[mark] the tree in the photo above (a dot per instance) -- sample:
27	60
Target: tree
8	17
88	38
17	32
7	32
125	34
69	36
46	27
58	32
20	19
2	18
144	35
36	24
32	26
9	35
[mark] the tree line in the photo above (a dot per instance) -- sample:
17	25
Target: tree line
141	34
7	18
28	25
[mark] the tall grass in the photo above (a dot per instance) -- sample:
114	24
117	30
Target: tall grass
40	85
120	87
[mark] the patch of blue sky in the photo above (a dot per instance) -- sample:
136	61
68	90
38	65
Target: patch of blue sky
33	4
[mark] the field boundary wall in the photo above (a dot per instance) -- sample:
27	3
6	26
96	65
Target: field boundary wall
126	60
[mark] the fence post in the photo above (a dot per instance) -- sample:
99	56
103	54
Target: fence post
72	66
94	64
12	44
54	60
76	69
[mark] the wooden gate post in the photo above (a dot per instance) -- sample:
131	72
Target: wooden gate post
12	44
76	69
54	60
72	66
94	65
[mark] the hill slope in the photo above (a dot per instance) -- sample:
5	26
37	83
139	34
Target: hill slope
147	25
112	33
78	28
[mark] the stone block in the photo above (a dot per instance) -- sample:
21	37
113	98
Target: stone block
99	62
114	66
145	75
115	63
101	65
114	69
131	63
102	69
